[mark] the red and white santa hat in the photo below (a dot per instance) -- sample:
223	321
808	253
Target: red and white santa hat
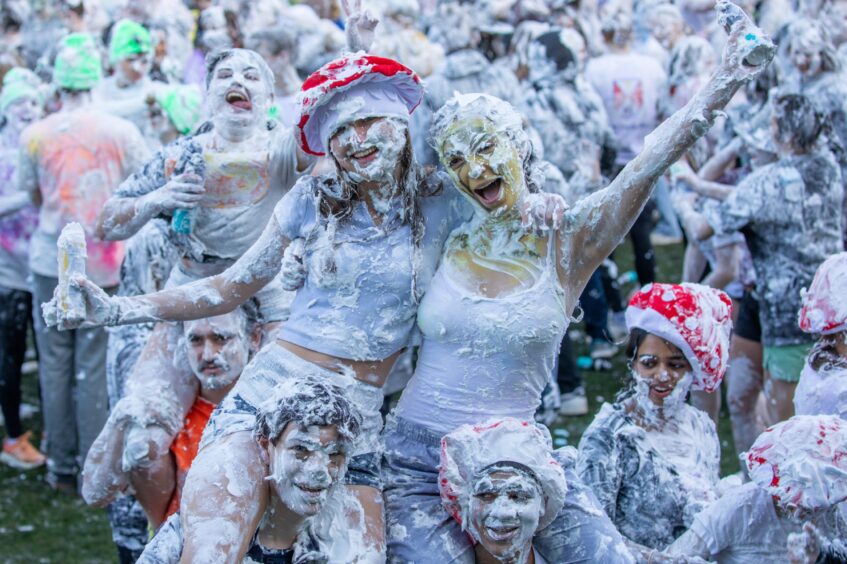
802	461
350	88
694	318
824	308
470	450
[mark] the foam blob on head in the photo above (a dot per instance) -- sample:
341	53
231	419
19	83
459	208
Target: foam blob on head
77	66
802	463
480	463
824	308
694	318
309	426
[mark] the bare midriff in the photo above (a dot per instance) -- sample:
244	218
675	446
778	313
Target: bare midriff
371	372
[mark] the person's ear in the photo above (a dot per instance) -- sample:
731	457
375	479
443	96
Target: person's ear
264	450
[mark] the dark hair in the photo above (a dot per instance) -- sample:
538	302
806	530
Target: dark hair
307	402
336	197
556	51
636	337
798	122
824	355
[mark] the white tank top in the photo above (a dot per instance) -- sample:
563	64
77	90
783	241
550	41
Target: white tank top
483	357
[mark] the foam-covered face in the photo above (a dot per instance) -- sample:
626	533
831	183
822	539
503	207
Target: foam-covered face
305	463
132	69
506	507
806	54
665	28
218	349
239	94
659	367
368	150
485	164
22	112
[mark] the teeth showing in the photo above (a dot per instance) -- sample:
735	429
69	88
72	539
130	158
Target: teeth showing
363	153
236	97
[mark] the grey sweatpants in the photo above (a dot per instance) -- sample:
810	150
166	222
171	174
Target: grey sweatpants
72	373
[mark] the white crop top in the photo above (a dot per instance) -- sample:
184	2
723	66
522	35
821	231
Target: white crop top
483	357
357	300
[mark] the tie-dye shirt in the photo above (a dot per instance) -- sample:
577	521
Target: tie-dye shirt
72	162
16	229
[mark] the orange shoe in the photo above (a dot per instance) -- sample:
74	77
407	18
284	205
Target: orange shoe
21	454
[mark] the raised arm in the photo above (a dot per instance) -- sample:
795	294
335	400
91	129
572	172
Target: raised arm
208	297
603	219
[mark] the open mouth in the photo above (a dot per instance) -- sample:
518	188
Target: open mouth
662	391
490	193
239	99
502	533
364	155
312	492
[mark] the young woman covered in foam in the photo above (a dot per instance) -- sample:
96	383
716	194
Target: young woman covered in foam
651	459
822	389
496	310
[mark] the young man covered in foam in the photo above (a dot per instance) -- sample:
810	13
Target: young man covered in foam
822	389
125	93
498	306
304	431
217	349
652	460
70	164
502	484
792	511
790	211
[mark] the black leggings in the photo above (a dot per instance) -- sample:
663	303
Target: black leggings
15	318
642	248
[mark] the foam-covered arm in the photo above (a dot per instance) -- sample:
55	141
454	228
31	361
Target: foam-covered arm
208	297
609	214
13	203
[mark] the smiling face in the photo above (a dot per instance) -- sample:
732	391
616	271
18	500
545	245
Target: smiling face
305	462
22	112
506	507
218	348
658	367
485	165
369	149
239	93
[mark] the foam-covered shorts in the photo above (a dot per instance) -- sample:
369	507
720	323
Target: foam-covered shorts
419	529
274	301
274	365
785	363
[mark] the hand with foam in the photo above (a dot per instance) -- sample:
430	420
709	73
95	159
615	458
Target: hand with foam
542	211
100	310
804	547
183	191
360	26
748	50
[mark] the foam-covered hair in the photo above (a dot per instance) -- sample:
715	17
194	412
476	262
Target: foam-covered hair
471	450
307	401
500	113
802	461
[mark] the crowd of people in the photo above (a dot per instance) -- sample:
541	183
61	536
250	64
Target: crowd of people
300	275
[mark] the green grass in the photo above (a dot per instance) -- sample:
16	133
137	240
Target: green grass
39	525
